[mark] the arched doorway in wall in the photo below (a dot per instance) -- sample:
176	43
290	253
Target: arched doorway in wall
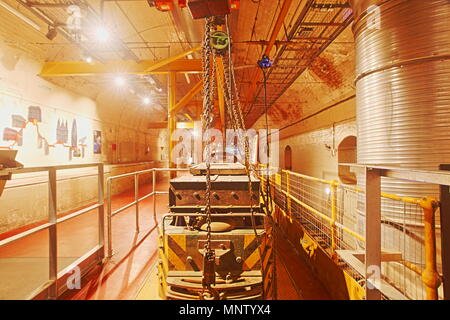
288	158
347	154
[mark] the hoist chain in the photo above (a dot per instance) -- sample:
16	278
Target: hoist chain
238	125
235	113
209	273
236	122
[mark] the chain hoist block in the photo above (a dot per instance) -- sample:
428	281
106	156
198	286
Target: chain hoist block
219	254
209	8
161	5
220	41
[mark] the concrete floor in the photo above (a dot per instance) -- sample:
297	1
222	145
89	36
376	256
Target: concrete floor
129	273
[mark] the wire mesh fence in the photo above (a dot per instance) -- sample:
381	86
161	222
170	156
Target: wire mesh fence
333	214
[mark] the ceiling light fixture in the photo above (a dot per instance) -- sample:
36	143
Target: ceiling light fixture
88	59
52	33
120	81
102	34
146	100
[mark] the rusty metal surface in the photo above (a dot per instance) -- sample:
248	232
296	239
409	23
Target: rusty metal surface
243	264
188	287
227	190
235	169
315	27
238	264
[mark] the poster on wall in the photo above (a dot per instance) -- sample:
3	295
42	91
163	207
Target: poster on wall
97	142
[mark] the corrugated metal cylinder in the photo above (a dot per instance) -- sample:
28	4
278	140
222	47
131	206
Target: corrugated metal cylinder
403	107
403	88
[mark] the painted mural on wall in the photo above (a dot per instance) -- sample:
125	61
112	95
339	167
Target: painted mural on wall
41	134
14	134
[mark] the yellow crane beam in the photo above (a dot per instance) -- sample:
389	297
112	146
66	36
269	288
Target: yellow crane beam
82	68
176	57
220	95
187	98
187	115
172	81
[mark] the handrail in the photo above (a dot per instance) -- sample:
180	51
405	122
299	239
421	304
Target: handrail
54	220
430	276
137	199
6	171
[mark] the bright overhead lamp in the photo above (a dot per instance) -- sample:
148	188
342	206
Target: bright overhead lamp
146	100
102	34
88	59
120	81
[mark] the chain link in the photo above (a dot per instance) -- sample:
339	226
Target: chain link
236	122
207	118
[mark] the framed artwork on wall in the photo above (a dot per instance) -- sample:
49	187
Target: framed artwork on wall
97	142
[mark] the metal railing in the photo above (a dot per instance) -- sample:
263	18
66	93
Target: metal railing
137	199
328	212
53	287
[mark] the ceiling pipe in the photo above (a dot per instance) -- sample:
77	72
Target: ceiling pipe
33	8
43	17
20	15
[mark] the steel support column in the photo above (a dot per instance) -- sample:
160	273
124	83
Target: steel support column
172	119
445	234
52	234
373	234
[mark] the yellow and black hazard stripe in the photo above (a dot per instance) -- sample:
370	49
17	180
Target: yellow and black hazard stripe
251	253
176	250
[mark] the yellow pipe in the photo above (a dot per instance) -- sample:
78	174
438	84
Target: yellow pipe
334	186
430	276
412	267
189	117
288	189
383	195
325	217
307	177
220	90
389	196
172	120
352	233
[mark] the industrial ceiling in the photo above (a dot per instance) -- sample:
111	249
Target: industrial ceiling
309	41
